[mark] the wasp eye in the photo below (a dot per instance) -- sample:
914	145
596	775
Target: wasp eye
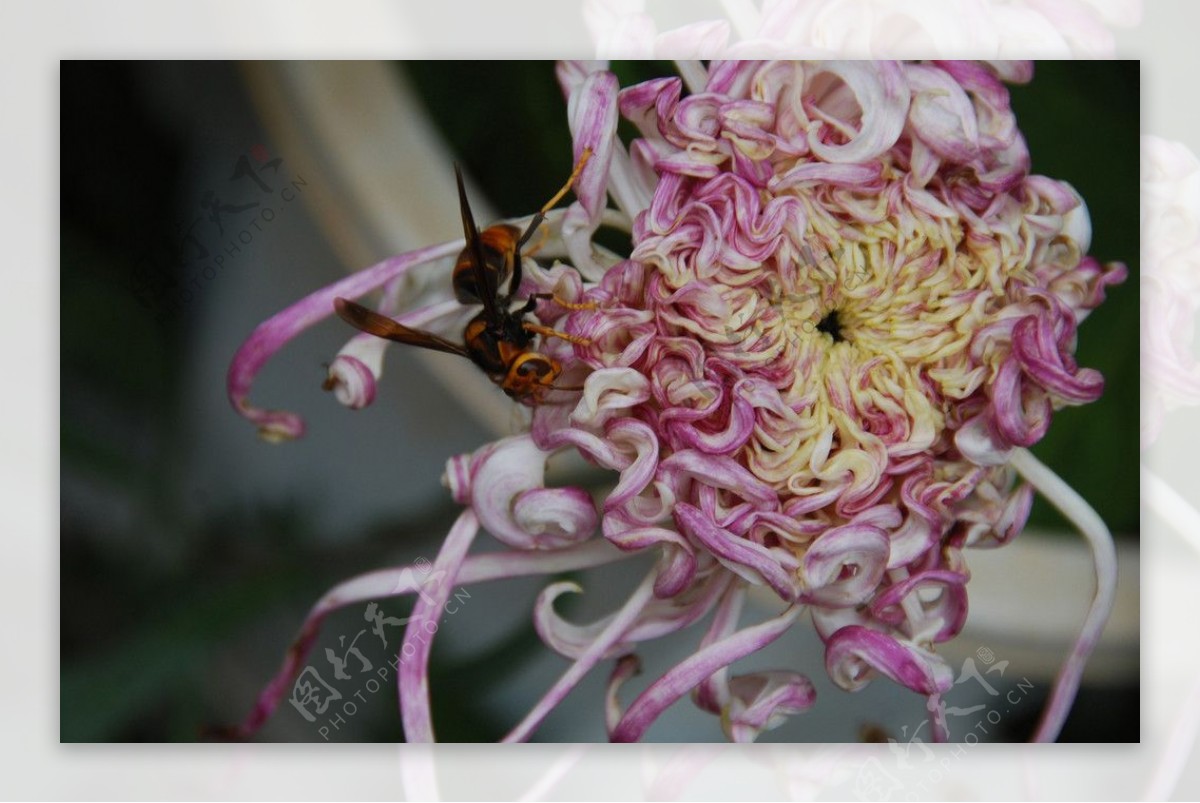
535	368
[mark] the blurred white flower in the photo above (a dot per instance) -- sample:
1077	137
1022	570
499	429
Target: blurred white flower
866	28
1170	283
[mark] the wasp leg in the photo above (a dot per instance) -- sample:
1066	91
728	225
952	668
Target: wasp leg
546	331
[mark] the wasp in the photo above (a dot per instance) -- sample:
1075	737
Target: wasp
499	339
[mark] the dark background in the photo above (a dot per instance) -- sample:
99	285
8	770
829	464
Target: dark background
181	583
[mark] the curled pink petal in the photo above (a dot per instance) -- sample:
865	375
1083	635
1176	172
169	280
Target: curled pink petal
862	177
608	392
642	713
844	566
641	470
627	666
678	568
941	113
356	369
852	652
745	558
271	335
604	641
882	96
507	492
1036	346
592	113
352	380
566	639
718	472
764	700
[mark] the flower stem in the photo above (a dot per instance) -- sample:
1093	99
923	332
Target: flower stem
1104	558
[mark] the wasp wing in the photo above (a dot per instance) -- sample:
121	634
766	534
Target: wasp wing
373	323
475	248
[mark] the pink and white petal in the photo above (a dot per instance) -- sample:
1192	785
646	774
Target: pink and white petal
843	567
979	441
677	566
601	645
712	694
352	378
717	471
566	639
753	562
553	518
883	97
608	391
278	330
853	652
592	116
763	701
357	368
941	113
413	674
627	666
685	676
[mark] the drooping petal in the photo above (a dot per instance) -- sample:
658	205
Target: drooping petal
852	652
405	580
271	335
413	673
604	641
764	700
650	704
626	667
592	114
357	368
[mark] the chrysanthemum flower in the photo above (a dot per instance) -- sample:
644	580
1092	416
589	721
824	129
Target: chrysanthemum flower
848	310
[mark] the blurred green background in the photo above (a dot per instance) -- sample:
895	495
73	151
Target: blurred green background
178	595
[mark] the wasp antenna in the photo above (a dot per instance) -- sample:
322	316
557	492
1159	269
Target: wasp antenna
583	160
541	214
